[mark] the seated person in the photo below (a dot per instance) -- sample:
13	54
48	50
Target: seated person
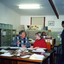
21	40
46	36
40	42
43	35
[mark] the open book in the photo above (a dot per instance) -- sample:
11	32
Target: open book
37	57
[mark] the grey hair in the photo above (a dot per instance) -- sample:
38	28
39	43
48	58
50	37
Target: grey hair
39	34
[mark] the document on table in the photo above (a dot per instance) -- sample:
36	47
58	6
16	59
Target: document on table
4	47
14	47
6	54
3	50
37	57
26	56
48	54
39	50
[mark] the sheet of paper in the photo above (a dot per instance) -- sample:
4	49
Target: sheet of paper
14	47
48	54
3	50
30	48
6	54
4	47
37	57
26	56
39	50
51	42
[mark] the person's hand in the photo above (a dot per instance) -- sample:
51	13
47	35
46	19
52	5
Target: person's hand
36	47
31	47
24	46
18	42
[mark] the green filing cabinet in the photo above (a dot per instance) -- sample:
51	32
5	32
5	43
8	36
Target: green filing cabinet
13	34
6	36
3	37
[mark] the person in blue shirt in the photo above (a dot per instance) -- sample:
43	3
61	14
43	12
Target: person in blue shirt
21	40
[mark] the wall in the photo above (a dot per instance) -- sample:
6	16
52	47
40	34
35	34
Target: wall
8	16
25	20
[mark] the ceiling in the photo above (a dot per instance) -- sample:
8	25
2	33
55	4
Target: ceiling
60	6
45	10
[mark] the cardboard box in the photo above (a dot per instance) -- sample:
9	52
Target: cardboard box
49	30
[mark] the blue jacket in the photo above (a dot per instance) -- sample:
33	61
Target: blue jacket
24	41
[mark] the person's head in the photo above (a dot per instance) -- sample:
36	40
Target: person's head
43	33
22	34
38	35
62	23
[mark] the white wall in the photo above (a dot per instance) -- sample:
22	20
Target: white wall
8	16
25	20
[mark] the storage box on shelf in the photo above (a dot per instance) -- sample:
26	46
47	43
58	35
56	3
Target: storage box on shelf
6	26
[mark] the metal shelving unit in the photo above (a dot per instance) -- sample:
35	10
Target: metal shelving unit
6	36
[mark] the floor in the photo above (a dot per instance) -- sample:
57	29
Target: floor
59	59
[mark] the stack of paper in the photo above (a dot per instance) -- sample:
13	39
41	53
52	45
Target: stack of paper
39	50
26	56
37	57
4	47
6	54
3	50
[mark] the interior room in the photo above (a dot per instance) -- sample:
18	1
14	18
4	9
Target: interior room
24	23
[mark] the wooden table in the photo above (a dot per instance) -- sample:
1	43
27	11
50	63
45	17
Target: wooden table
57	46
17	60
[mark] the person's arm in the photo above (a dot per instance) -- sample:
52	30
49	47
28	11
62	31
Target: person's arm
28	44
15	42
34	45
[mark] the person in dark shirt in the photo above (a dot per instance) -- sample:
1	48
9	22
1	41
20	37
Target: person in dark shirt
43	35
62	36
21	40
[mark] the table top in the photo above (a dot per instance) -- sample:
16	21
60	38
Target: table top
56	45
27	59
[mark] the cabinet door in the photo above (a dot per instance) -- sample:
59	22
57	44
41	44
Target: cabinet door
13	32
3	43
8	43
8	32
3	38
3	32
9	38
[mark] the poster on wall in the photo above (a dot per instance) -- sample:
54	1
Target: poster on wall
37	23
50	23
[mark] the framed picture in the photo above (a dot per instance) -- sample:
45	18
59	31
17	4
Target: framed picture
50	23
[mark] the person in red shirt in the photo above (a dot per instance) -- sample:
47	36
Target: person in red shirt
40	42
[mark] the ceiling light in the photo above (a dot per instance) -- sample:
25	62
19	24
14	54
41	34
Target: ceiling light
34	6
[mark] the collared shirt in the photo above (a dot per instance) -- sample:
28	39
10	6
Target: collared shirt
24	41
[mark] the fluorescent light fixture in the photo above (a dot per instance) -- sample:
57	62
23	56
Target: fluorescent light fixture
34	6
